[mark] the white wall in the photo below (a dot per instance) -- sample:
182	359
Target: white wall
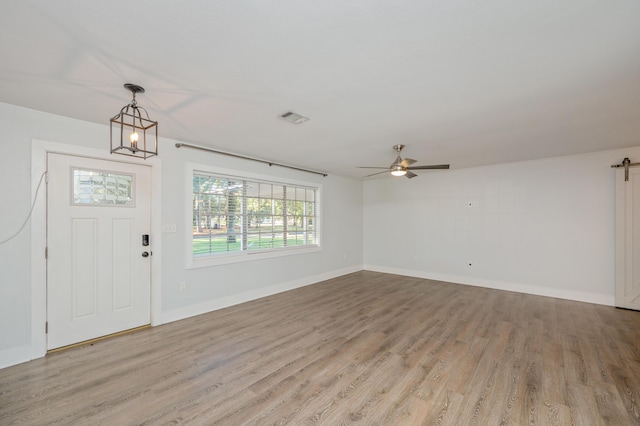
208	288
542	227
212	288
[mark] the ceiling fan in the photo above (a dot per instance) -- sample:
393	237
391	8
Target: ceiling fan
402	167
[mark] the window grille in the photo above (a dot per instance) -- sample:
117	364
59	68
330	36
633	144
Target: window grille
235	215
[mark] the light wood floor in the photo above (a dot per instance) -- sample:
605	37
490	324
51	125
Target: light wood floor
366	348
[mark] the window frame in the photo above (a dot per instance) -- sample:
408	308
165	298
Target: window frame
245	255
76	182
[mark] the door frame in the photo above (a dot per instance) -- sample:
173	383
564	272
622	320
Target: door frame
39	151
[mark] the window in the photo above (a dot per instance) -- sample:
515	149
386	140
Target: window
97	187
233	215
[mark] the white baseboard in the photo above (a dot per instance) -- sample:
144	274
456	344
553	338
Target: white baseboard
224	302
13	356
578	296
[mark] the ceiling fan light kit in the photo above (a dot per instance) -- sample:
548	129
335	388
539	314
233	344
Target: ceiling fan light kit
397	170
402	167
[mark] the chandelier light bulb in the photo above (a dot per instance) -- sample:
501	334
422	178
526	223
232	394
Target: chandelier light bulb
134	139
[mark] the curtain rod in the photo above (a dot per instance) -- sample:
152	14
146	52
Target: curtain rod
270	163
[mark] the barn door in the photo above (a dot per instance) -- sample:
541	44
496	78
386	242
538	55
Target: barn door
628	239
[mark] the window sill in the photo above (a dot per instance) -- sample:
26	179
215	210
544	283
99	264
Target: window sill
230	258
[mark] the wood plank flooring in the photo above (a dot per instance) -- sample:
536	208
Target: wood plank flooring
366	348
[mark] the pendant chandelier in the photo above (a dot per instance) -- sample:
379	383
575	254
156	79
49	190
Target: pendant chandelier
131	133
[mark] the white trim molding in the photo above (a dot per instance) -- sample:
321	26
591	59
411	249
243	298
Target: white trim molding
13	356
244	256
39	151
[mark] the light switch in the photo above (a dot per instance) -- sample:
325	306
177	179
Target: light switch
168	228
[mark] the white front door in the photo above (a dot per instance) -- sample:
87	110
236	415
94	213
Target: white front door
628	239
98	270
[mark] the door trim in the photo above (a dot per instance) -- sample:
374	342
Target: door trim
39	151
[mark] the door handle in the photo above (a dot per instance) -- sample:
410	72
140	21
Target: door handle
145	254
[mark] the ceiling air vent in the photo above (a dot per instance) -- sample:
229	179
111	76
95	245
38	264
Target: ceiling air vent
294	118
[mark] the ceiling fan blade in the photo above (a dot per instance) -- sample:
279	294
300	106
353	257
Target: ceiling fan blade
379	173
411	175
366	167
437	166
407	162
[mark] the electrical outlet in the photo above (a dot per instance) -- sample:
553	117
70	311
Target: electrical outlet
183	286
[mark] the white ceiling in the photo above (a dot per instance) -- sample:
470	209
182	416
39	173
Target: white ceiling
464	82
